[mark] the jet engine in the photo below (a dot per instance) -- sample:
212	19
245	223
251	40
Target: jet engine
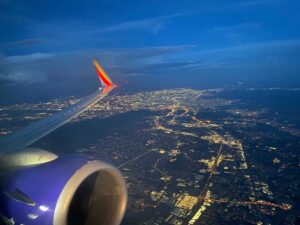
42	189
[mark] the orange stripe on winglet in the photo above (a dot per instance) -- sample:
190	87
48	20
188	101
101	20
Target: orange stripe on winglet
102	75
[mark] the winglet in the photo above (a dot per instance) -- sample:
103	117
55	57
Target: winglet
104	78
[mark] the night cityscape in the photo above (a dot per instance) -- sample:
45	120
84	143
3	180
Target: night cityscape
188	156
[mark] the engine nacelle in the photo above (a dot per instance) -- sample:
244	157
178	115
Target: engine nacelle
69	190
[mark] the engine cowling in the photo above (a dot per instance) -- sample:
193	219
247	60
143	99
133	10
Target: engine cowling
69	190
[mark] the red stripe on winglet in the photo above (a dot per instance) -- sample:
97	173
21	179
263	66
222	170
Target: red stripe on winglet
101	77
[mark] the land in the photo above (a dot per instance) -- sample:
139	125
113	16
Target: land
188	156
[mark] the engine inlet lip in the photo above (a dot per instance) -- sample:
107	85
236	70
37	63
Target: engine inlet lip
66	196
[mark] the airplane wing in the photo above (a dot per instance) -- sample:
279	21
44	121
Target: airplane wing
25	137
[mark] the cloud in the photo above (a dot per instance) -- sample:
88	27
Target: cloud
253	3
80	34
154	24
243	4
234	27
92	30
24	43
122	63
27	58
73	66
233	33
272	44
283	54
22	77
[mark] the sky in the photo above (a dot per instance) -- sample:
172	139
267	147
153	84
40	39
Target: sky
49	45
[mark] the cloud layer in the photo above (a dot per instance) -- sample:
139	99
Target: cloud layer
163	60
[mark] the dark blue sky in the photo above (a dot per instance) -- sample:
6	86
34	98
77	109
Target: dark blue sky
173	43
